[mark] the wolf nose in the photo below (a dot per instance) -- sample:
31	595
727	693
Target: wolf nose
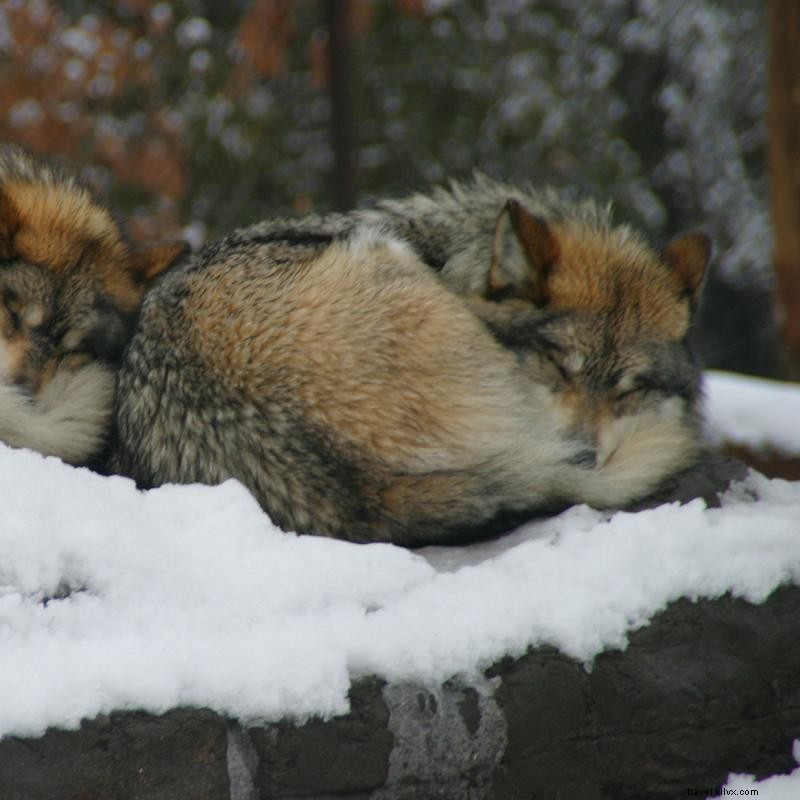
586	458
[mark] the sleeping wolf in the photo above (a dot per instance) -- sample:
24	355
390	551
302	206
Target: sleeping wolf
70	288
358	397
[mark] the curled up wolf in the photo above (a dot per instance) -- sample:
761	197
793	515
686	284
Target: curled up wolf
428	371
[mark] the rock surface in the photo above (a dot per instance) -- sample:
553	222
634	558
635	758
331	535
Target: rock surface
705	689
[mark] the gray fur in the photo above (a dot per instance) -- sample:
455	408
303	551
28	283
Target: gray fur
451	228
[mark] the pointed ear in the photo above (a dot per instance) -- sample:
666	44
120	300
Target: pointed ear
523	251
688	258
9	225
149	261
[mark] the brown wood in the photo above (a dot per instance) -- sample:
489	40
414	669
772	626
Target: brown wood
784	157
342	124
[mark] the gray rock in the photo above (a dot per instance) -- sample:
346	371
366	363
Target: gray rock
124	756
707	478
706	689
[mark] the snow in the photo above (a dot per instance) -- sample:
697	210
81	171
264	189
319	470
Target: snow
756	413
112	598
778	787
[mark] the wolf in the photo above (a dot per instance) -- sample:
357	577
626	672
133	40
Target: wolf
362	392
70	288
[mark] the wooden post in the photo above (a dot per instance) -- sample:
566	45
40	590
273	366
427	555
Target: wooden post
342	124
784	162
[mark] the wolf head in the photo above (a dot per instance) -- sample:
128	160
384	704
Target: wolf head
602	319
70	283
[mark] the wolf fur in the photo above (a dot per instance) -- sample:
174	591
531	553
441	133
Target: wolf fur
358	396
481	238
70	288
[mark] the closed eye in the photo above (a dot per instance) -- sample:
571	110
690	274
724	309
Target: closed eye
558	364
11	306
639	385
621	395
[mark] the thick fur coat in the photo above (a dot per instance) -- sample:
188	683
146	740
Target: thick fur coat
358	396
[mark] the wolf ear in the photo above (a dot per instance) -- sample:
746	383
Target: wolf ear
9	225
523	251
688	258
149	261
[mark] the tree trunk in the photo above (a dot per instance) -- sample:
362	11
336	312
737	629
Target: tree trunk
784	155
342	126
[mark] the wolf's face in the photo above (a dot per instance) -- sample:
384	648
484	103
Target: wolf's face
611	384
599	318
47	322
27	296
70	283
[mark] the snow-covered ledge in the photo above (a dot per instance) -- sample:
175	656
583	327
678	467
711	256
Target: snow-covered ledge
707	689
174	644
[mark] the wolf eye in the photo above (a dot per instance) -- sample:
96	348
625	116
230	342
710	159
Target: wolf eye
557	360
634	386
621	395
27	315
11	305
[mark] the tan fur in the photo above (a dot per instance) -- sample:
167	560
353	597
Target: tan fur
303	349
604	271
58	226
650	443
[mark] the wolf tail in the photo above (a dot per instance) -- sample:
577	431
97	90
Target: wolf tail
646	455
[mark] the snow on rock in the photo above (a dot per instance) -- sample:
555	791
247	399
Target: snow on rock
112	598
778	787
753	412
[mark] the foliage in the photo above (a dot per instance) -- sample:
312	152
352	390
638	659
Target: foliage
208	115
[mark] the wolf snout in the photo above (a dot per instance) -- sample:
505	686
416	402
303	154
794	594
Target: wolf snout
586	458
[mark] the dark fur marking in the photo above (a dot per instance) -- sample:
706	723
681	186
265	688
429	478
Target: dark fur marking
421	240
529	333
295	238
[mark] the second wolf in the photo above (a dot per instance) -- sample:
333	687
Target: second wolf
70	288
329	369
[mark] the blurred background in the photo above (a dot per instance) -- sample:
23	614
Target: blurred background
192	117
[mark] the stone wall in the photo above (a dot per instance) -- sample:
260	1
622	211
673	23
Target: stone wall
707	688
